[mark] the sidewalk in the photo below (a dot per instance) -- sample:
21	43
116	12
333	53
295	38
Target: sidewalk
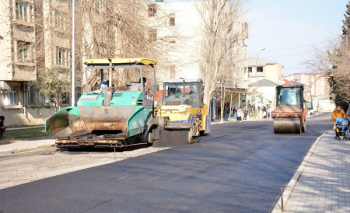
14	146
21	146
322	182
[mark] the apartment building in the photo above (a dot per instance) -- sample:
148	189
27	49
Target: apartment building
180	24
35	36
318	85
18	62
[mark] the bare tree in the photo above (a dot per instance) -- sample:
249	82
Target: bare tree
219	52
334	62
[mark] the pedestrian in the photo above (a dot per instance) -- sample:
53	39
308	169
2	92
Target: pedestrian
239	115
337	113
245	113
347	116
227	111
234	112
104	85
269	112
2	126
219	113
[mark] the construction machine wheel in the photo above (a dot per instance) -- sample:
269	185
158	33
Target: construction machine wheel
170	138
287	126
304	126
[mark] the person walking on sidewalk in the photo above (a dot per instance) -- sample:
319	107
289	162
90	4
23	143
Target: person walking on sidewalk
245	113
2	126
337	113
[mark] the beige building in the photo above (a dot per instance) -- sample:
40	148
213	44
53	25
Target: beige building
19	67
318	85
36	36
257	69
262	76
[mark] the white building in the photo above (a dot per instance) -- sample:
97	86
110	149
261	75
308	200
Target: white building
183	21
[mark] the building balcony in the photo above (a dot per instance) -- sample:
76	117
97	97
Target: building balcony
22	23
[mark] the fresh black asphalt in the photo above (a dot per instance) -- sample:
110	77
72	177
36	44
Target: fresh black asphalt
239	167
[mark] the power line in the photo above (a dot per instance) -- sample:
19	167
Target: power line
306	45
290	55
296	47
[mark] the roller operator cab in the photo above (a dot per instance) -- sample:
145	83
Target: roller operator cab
116	114
291	108
182	112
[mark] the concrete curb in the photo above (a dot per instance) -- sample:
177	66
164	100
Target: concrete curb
29	148
290	186
24	128
24	148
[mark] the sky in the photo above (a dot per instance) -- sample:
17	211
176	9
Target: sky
290	30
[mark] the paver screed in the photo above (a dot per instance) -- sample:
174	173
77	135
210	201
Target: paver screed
324	185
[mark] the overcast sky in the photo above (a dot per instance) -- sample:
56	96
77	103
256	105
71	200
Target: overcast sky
290	29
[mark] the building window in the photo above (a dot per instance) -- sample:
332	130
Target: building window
260	69
62	55
250	69
172	71
60	21
65	98
22	11
153	35
33	95
23	51
152	10
100	4
245	31
172	19
11	96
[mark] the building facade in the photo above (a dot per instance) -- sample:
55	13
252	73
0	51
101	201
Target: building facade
19	48
318	85
180	24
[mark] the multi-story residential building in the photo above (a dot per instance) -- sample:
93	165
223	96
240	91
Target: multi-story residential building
36	36
180	24
19	67
318	85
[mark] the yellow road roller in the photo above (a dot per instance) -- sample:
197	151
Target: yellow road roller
182	116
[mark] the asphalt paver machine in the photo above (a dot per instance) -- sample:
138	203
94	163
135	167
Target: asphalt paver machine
109	117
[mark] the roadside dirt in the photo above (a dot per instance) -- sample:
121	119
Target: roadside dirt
30	166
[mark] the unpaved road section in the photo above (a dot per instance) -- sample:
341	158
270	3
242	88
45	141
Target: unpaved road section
30	166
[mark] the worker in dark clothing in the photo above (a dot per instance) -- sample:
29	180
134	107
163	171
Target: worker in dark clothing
2	126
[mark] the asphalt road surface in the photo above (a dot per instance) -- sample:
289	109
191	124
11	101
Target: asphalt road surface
239	167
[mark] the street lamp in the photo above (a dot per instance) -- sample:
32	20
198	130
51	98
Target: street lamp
73	53
256	81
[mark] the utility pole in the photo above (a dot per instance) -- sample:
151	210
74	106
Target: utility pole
256	81
73	53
